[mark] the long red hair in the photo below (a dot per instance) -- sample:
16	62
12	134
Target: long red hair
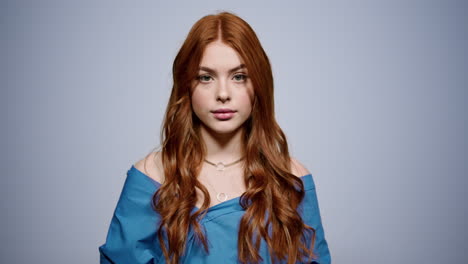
273	193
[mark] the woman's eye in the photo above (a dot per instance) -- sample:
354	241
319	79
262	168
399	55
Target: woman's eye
240	77
237	77
204	78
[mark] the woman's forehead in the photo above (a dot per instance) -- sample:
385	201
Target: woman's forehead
215	70
220	57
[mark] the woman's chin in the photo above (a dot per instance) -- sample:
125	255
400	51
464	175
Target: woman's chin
222	129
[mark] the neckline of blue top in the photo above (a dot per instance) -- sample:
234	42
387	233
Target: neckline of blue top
233	202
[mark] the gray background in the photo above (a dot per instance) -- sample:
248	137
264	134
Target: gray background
371	94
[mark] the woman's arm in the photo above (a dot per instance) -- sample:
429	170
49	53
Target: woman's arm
311	213
131	237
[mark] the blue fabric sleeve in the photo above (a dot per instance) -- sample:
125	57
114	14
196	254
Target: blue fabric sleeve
131	237
311	214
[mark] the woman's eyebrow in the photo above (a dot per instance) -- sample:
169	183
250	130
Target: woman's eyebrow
203	68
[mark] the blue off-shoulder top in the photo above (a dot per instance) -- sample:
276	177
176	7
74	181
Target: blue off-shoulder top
132	239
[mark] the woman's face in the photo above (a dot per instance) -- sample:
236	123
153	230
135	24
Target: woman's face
222	94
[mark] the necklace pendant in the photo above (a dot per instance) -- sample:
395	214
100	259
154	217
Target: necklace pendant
220	166
221	197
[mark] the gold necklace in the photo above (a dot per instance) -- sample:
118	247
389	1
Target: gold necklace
220	166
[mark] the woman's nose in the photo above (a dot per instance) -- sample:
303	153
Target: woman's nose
222	92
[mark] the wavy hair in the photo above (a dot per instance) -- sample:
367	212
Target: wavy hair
272	193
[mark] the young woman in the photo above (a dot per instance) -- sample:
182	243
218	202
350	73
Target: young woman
222	188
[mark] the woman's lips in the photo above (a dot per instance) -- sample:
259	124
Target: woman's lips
224	116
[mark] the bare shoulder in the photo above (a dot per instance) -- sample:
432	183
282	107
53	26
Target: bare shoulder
151	166
297	168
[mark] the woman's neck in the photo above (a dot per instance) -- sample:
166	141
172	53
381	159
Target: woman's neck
223	147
